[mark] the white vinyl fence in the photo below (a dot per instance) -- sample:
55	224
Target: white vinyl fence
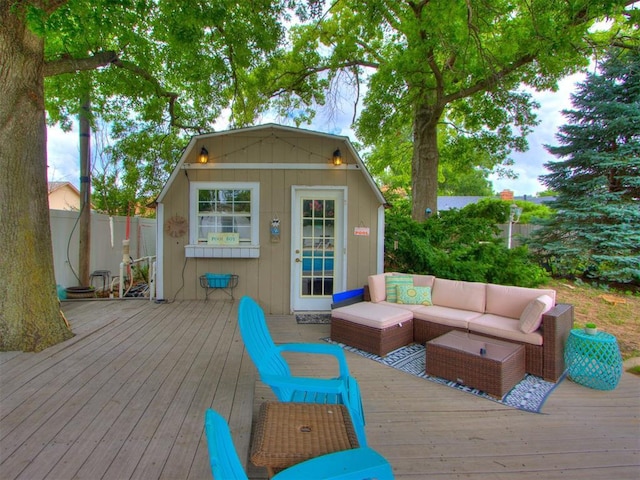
107	234
518	232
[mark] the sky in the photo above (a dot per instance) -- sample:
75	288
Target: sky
63	147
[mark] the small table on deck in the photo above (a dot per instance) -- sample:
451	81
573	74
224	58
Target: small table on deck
287	433
493	366
593	360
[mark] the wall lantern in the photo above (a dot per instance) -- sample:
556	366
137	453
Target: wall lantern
337	157
204	156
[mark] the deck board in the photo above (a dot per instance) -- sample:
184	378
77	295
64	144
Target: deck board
126	396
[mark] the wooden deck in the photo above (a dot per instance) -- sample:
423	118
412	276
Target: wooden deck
125	398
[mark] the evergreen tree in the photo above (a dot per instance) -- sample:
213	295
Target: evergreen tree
596	231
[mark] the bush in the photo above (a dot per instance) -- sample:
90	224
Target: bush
498	210
458	245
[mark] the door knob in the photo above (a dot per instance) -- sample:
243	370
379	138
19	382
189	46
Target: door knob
297	260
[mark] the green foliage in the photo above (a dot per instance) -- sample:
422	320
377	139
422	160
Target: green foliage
498	210
547	193
595	233
465	164
129	174
443	79
457	244
157	72
140	272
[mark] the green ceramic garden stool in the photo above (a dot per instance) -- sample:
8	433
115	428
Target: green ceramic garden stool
593	360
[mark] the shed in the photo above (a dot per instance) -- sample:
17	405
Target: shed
293	213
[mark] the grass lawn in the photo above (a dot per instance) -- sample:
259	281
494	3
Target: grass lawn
613	312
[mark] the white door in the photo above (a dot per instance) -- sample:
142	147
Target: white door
317	246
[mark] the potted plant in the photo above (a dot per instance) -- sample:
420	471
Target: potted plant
591	328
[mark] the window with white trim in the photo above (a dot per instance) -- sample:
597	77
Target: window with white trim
219	208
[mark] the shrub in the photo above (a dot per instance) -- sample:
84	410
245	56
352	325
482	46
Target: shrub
459	245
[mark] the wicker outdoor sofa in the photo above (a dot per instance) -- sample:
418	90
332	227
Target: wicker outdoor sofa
394	313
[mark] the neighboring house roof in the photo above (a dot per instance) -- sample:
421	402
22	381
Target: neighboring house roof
63	196
258	129
449	202
53	186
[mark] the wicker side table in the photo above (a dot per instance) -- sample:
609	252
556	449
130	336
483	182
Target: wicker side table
593	360
288	433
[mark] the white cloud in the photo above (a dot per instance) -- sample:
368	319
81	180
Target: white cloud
529	165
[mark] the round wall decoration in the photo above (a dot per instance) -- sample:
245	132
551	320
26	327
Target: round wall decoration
176	226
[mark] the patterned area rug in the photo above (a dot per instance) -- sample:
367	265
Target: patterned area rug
313	318
528	395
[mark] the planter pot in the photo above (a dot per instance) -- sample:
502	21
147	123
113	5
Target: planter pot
74	293
590	331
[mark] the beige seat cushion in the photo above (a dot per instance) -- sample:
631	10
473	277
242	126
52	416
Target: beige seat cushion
377	287
373	314
404	306
503	327
423	280
445	316
458	294
508	301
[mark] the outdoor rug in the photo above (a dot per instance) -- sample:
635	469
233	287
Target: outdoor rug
528	395
313	318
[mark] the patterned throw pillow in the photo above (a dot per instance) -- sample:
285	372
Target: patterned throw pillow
411	295
392	281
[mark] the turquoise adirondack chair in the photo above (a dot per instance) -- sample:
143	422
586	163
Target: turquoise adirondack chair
355	464
275	372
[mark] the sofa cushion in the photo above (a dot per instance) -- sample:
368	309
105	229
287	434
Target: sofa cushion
531	317
403	306
414	295
503	327
373	314
377	287
392	281
423	280
452	317
508	301
458	294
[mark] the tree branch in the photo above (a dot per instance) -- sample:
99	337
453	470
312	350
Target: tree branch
299	77
491	81
417	7
53	5
172	97
68	64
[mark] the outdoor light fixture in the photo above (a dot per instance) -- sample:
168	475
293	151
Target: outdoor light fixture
337	157
204	156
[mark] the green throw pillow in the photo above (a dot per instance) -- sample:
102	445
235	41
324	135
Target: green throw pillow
411	295
392	281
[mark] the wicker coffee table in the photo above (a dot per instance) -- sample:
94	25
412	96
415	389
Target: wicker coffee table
289	433
493	366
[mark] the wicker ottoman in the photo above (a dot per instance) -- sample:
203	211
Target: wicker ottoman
374	328
493	366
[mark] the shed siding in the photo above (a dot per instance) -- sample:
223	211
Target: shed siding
267	278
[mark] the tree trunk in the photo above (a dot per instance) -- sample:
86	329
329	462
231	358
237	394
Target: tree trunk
424	165
30	318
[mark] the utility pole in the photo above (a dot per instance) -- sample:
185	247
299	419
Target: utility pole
85	192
